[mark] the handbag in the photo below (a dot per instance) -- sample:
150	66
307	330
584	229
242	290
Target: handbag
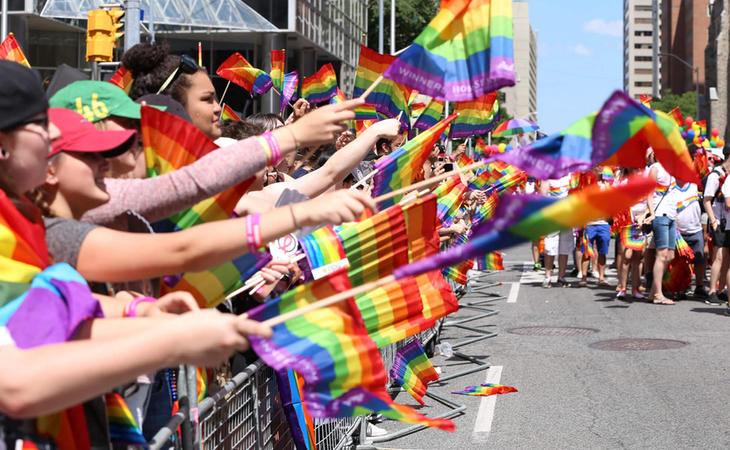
647	228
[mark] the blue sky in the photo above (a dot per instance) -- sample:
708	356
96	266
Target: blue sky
580	58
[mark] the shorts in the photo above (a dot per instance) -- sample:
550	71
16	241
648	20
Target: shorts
559	243
720	237
697	243
600	236
665	232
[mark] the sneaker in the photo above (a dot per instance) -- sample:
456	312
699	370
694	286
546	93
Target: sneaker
594	274
727	311
713	299
701	292
374	430
621	294
638	295
580	275
537	267
575	273
562	282
722	296
546	283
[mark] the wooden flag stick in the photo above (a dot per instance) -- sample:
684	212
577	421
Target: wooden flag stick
372	87
364	179
258	278
427	183
224	93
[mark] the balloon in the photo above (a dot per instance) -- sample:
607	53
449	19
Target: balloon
715	132
720	143
696	140
691	134
713	144
689	121
508	147
502	147
706	144
681	129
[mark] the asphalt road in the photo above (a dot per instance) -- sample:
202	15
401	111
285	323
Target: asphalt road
574	396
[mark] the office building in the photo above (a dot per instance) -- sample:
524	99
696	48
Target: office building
638	48
521	99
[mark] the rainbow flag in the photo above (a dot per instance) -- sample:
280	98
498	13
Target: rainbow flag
477	116
450	196
491	261
339	98
413	370
607	174
430	115
678	275
171	143
702	165
122	78
457	273
481	150
278	64
229	114
485	210
289	91
389	98
341	365
683	249
587	247
645	100
122	427
324	251
676	114
522	218
10	50
486	389
362	125
239	71
417	109
465	52
632	238
400	168
366	112
301	424
463	160
421	226
67	428
321	86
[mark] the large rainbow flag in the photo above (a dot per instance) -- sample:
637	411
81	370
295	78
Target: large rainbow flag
475	117
321	86
400	168
413	370
466	51
122	78
430	115
239	71
341	365
10	50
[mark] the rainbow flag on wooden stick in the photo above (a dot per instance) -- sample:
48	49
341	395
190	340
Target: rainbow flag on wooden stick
278	64
122	78
289	92
430	115
229	114
475	117
321	86
466	51
10	50
239	71
413	370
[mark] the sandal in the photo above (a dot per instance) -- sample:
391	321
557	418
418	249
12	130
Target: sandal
582	283
663	301
603	283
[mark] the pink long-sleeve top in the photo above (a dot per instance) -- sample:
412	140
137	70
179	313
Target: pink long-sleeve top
159	197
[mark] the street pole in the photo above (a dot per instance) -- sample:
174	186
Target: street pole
131	23
697	78
392	27
380	26
4	21
655	49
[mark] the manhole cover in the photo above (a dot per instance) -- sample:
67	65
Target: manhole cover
553	331
637	344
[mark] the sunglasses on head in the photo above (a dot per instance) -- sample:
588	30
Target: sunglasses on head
187	65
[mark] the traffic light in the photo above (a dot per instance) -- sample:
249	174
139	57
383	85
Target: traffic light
102	32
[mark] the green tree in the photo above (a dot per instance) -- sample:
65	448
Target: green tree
686	102
411	17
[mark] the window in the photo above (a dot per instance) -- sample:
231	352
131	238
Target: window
644	46
642	7
642	58
642	83
642	21
643	71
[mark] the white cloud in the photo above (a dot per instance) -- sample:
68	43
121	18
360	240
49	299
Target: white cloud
581	50
613	28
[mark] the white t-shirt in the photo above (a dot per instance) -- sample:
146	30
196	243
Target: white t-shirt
689	214
725	194
559	188
712	185
666	191
5	338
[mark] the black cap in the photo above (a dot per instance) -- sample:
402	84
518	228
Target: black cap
21	94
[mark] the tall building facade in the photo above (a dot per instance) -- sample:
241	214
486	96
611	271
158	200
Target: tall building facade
521	99
684	34
638	48
717	64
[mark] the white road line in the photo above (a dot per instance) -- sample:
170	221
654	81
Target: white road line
514	290
485	415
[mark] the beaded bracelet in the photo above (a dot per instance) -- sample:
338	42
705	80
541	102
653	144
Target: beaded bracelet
130	309
253	232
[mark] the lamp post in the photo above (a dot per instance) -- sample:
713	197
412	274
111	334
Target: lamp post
697	77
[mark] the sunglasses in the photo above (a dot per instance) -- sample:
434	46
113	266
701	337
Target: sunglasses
187	65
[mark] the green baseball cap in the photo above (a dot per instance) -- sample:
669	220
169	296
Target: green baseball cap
96	100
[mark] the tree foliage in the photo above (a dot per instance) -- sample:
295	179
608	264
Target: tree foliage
686	102
411	17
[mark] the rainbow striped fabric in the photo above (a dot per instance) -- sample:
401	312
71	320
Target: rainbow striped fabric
229	114
400	168
481	150
366	112
450	196
702	165
607	174
10	50
278	65
678	275
490	261
465	52
430	115
645	100
122	78
421	225
321	86
478	116
301	424
587	246
239	71
683	204
289	91
486	389
463	160
122	427
339	97
324	251
169	144
524	217
341	365
457	273
389	98
485	210
682	247
632	238
413	370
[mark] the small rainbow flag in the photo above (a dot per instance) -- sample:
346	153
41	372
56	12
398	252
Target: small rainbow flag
339	98
463	160
301	424
278	64
239	71
450	195
417	109
486	389
481	150
324	251
366	112
229	114
491	261
607	174
457	273
465	52
632	238
645	100
321	86
701	163
587	246
123	429
10	50
683	249
486	210
400	168
122	78
430	115
413	370
289	92
676	114
421	225
478	116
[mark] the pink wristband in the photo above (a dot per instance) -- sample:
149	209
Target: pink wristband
274	148
130	309
253	232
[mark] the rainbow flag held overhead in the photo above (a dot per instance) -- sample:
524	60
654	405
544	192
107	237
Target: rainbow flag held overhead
522	218
417	109
490	261
11	51
239	71
123	429
289	91
401	167
430	115
321	86
278	65
324	251
122	78
466	51
478	116
486	389
389	98
341	365
413	370
229	114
